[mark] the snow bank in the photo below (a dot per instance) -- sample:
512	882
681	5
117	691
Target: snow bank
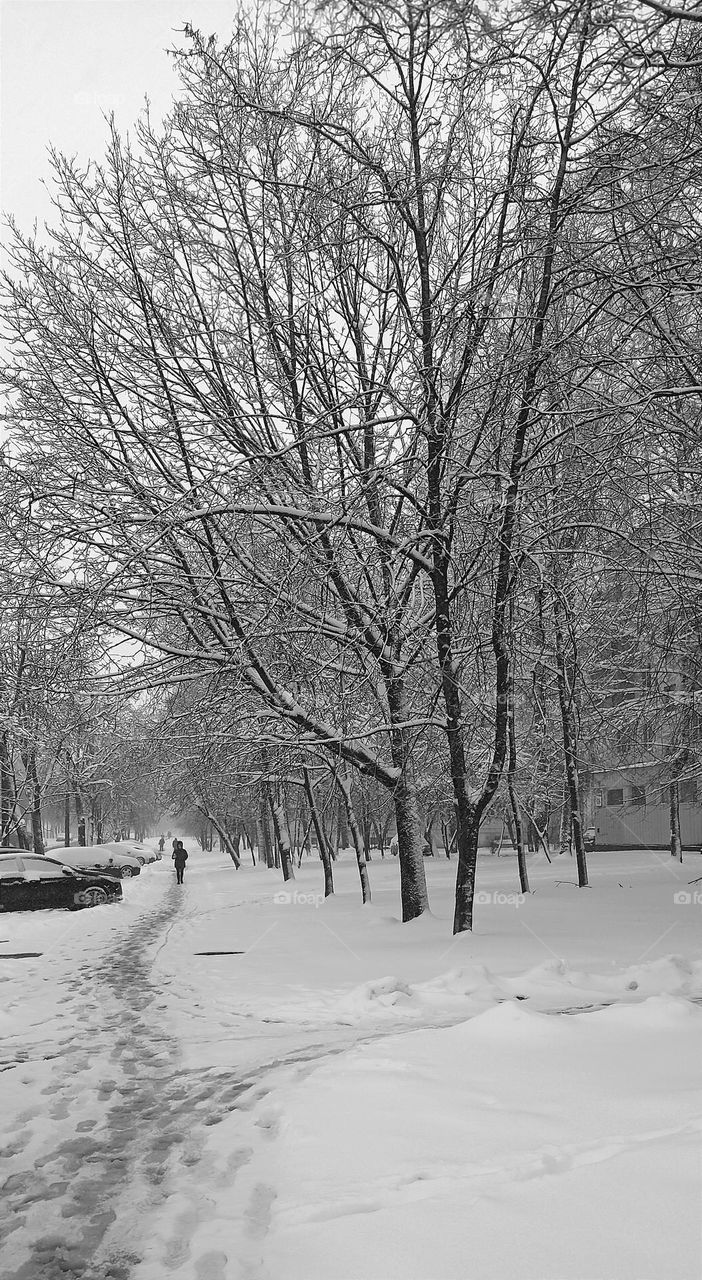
516	1144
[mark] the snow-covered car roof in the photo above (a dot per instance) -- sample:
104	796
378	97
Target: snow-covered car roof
94	853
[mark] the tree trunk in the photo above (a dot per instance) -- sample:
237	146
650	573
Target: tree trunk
327	836
465	877
541	838
264	822
344	784
342	838
80	813
297	838
37	832
282	835
261	841
304	845
449	836
565	830
514	806
6	790
413	884
429	834
67	815
321	838
225	839
466	837
381	835
676	849
565	699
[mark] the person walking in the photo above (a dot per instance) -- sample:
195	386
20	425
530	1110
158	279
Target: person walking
180	858
161	843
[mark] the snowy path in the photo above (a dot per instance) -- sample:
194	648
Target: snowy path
99	1138
122	1123
94	1160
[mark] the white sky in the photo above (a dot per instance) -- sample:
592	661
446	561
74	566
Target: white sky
64	64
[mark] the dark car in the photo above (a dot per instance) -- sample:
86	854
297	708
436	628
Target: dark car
29	882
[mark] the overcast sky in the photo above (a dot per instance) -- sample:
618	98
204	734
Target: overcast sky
63	63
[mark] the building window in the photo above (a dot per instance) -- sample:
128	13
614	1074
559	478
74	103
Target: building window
638	795
615	797
688	791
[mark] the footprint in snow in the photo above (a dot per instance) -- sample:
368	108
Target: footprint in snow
211	1266
258	1212
178	1249
270	1124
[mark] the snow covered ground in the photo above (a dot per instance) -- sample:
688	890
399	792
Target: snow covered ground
337	1096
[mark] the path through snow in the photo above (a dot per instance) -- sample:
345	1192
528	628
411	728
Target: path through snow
122	1125
95	1161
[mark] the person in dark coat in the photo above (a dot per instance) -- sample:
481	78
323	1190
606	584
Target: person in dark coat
180	858
161	843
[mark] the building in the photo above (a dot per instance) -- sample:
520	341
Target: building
628	806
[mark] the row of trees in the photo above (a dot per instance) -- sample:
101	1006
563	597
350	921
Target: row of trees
71	758
360	400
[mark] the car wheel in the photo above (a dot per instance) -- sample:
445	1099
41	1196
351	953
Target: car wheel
126	872
94	897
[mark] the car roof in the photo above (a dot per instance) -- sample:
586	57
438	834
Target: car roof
29	853
87	849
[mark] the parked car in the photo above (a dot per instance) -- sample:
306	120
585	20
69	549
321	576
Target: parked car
30	882
98	857
143	850
134	848
117	848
